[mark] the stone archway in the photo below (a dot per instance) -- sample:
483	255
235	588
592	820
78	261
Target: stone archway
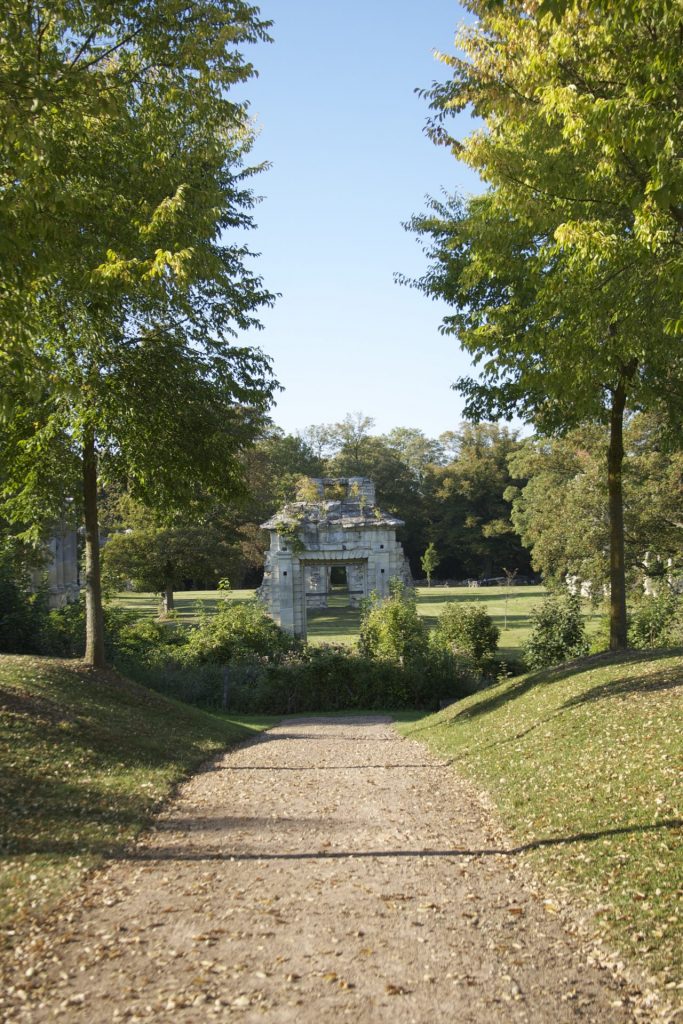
308	537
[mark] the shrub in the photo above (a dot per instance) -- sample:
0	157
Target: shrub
558	632
469	630
65	631
333	679
22	613
657	620
390	627
237	631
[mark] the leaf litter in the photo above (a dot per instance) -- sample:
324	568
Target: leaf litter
213	916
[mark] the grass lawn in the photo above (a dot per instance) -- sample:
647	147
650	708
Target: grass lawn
85	757
188	603
585	764
508	607
338	624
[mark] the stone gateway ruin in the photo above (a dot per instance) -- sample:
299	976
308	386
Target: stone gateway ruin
339	524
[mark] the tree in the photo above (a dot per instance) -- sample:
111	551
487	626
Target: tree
429	562
130	372
466	507
78	80
351	437
415	450
564	297
561	512
161	554
467	629
391	628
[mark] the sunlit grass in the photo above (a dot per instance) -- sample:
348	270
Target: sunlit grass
586	761
510	608
189	604
336	624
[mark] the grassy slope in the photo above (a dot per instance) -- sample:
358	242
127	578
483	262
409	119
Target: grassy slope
85	757
585	764
338	624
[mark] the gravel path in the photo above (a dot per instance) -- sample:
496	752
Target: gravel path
328	869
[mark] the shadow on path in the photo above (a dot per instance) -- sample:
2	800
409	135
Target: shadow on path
162	854
320	767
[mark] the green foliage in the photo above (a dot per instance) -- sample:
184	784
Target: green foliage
329	679
561	512
429	561
237	631
122	198
558	633
22	613
120	151
28	626
568	267
467	629
158	555
289	531
64	629
465	502
239	659
657	620
312	679
390	627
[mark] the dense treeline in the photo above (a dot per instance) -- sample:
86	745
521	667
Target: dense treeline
489	501
449	491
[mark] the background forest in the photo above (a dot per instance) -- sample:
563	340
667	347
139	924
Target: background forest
490	502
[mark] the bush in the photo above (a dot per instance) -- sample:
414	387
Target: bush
657	620
390	627
64	631
237	631
467	629
334	679
22	613
558	632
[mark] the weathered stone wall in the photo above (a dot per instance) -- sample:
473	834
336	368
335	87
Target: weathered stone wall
61	568
308	538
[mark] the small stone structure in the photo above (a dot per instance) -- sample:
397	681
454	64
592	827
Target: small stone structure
338	525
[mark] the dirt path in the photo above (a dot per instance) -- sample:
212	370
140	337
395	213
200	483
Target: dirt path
327	870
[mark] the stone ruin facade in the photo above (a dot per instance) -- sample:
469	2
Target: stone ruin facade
60	570
339	524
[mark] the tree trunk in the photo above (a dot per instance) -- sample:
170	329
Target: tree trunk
617	571
167	600
94	618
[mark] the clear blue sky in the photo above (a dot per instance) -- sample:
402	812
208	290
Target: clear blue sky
343	129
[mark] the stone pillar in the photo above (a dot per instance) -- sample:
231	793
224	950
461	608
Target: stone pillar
357	581
282	582
316	578
299	598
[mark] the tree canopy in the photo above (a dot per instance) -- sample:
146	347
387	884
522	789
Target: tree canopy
565	273
121	200
118	146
